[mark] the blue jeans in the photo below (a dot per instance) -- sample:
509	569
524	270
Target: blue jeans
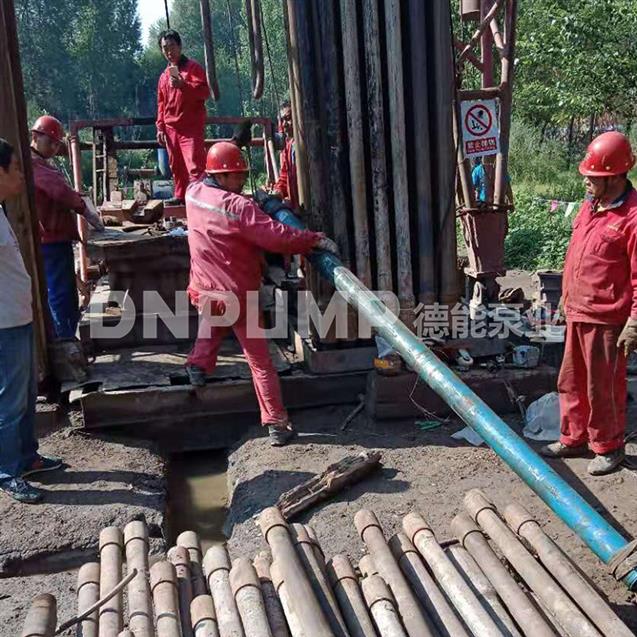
18	393
59	268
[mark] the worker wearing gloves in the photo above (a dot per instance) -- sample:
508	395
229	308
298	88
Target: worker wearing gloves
181	114
58	206
286	186
600	303
19	455
227	234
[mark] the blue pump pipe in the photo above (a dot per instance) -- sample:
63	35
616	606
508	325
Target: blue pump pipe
563	500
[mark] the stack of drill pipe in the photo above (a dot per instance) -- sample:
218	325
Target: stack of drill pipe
88	592
382	606
303	609
522	609
468	606
190	541
203	617
425	588
217	566
41	619
246	589
163	583
415	620
350	598
273	608
548	591
307	552
565	572
140	608
111	544
180	559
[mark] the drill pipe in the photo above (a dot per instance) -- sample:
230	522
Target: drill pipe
537	579
475	617
163	584
140	607
561	498
382	607
88	592
246	589
527	616
318	579
425	588
202	614
41	618
273	607
416	622
190	540
565	572
347	591
110	615
303	604
216	564
180	559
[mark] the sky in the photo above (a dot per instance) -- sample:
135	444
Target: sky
149	12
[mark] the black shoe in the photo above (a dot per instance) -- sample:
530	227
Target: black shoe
560	450
196	375
21	490
42	464
175	201
280	436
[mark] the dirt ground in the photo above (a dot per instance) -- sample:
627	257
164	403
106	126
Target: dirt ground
427	472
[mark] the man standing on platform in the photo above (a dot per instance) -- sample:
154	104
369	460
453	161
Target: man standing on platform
287	187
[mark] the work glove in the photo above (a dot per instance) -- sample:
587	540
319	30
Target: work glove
325	243
628	338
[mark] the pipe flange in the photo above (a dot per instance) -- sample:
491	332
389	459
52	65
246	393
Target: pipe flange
111	535
202	608
243	575
162	573
270	519
517	516
413	524
364	520
462	526
475	502
216	559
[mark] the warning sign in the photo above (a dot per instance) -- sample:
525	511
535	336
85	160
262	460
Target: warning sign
480	135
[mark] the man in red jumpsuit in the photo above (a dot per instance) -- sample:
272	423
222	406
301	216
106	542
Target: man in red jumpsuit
227	234
182	92
600	303
287	187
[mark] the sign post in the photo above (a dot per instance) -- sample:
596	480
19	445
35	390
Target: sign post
480	135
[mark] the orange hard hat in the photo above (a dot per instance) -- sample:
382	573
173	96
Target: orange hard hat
607	155
49	126
225	157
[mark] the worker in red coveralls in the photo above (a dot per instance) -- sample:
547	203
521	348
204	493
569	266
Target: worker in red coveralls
600	303
181	114
227	234
287	187
57	205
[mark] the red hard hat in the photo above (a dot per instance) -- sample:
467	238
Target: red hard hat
224	157
49	126
607	155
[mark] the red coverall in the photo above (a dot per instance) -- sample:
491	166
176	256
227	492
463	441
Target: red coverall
600	292
287	184
227	234
181	115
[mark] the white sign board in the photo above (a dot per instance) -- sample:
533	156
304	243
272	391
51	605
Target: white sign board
480	135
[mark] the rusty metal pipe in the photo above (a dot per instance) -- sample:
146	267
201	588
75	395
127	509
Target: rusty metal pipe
163	583
537	579
461	596
318	579
425	588
527	616
253	16
41	618
416	622
204	620
111	544
180	559
216	565
209	49
303	605
350	599
246	589
273	607
82	225
88	592
382	607
140	607
565	572
190	540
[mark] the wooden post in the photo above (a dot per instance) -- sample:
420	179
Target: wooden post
21	211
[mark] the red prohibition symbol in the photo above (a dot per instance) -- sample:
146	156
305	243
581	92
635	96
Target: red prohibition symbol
478	120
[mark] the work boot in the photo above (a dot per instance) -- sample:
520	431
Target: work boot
21	490
174	201
604	463
196	375
42	464
281	434
560	450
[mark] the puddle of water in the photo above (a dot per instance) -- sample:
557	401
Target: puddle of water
198	496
